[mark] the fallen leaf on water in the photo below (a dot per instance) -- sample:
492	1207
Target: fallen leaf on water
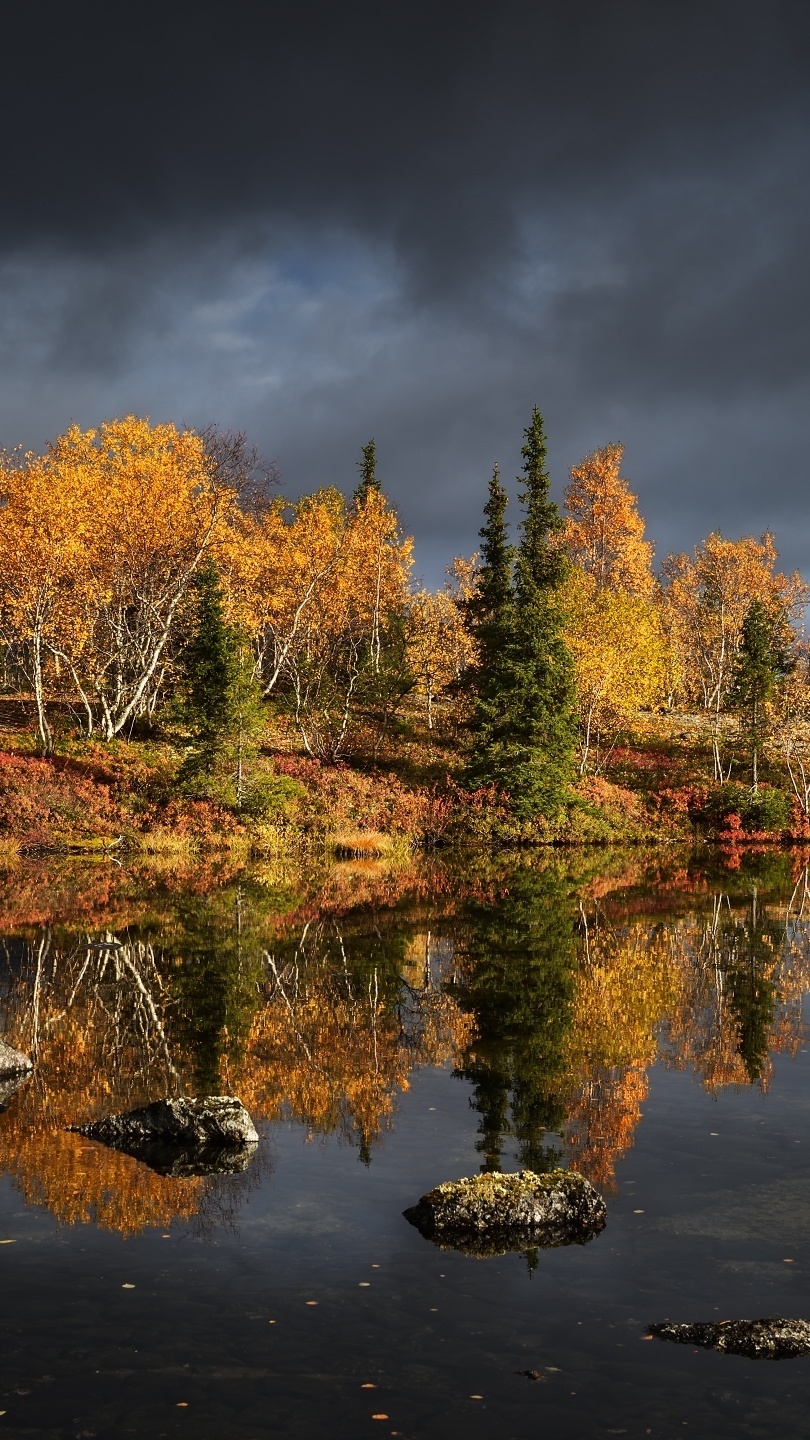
367	1385
364	1284
379	1417
127	1287
312	1302
7	1242
182	1405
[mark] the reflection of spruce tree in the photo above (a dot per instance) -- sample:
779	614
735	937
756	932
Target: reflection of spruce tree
215	984
750	946
522	986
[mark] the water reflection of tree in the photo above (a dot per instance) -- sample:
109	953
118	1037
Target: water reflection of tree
520	991
716	990
743	970
552	999
325	1023
349	1008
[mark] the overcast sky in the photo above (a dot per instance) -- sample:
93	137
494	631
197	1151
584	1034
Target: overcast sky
325	221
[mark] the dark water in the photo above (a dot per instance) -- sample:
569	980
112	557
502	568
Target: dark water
641	1023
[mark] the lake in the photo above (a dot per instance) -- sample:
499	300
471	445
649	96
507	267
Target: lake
637	1018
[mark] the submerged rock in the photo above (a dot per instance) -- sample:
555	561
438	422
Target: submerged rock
491	1214
13	1062
206	1135
774	1339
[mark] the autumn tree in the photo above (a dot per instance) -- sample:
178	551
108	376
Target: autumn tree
706	598
43	546
604	533
145	504
791	725
621	658
322	588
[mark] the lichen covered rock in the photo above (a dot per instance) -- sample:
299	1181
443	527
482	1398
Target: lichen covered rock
774	1339
491	1214
204	1135
13	1062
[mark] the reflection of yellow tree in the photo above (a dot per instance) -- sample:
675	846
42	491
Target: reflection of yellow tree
717	993
325	1010
333	1047
106	1023
92	1020
626	984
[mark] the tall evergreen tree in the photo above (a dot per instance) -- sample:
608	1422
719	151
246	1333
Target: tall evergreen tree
368	473
206	659
524	720
761	662
490	617
542	718
223	705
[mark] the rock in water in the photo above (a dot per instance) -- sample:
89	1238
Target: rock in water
206	1135
13	1062
758	1339
491	1214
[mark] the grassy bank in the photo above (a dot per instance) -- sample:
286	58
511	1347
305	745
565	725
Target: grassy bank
126	796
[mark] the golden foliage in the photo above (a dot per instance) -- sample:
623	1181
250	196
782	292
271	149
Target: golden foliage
621	655
99	540
604	533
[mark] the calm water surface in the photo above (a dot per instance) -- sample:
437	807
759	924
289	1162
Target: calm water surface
641	1023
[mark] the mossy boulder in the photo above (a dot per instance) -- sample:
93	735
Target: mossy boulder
774	1339
491	1214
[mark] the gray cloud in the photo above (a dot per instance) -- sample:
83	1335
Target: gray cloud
324	222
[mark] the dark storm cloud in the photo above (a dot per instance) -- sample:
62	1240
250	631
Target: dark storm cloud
323	221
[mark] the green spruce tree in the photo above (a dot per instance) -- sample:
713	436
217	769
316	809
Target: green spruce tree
761	663
206	659
223	705
524	720
368	473
542	713
491	621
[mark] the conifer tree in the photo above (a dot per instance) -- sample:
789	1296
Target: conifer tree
524	720
368	473
223	705
206	659
490	617
542	715
761	662
538	724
